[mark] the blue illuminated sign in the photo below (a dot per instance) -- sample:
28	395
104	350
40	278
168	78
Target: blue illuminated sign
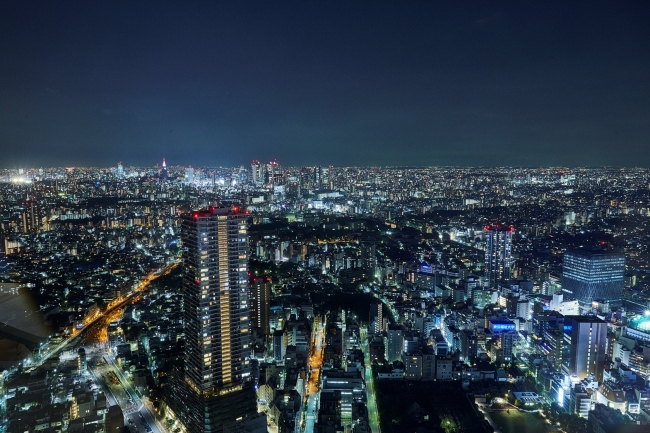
503	326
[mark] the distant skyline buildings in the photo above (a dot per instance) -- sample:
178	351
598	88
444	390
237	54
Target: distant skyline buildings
407	244
314	172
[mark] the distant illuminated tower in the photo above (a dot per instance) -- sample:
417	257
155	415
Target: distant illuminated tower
325	177
120	170
243	175
369	257
257	177
31	217
275	173
189	174
318	177
260	294
215	386
163	173
305	177
498	254
593	275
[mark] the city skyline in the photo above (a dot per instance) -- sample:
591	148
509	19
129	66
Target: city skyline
173	298
424	84
157	164
318	217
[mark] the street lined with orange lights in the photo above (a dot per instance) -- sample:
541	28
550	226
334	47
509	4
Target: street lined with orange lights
313	384
103	319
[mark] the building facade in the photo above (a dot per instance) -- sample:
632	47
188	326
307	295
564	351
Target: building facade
376	319
585	346
498	254
260	304
593	275
216	387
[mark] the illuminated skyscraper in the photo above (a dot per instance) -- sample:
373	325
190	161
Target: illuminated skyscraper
260	303
305	177
318	177
189	175
163	172
257	175
216	386
275	173
369	257
31	217
498	254
590	275
242	175
585	346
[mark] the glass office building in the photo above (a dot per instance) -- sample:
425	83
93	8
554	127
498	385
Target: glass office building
593	275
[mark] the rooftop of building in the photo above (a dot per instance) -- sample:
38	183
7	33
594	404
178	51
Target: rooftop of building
640	323
595	252
585	319
499	228
218	210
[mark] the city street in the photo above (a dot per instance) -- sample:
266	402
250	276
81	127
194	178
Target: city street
313	385
144	408
109	314
373	413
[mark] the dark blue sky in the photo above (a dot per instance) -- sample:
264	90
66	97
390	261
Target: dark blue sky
332	82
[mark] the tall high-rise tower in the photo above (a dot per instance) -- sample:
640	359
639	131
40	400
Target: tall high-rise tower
31	217
216	386
261	303
189	174
163	172
590	275
369	257
318	177
257	176
585	346
498	254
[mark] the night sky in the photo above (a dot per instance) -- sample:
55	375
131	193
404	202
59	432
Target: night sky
330	82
